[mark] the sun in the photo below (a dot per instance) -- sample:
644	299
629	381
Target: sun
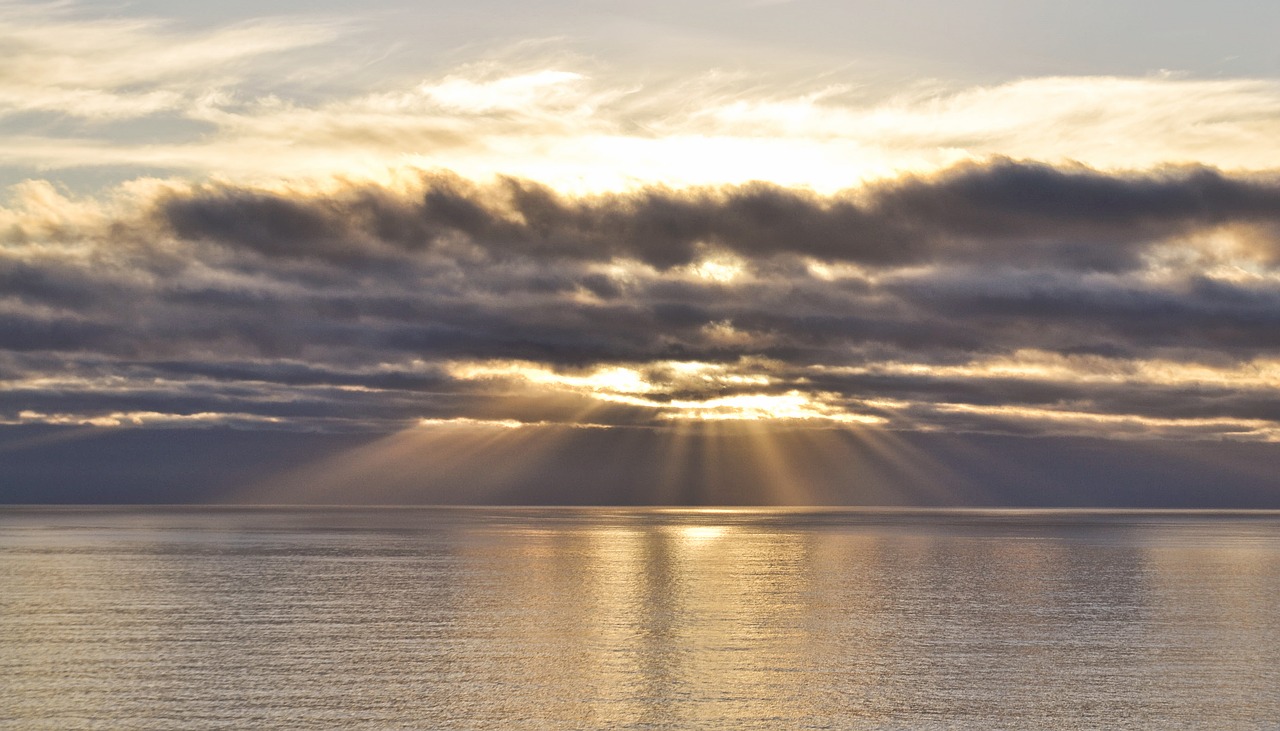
677	391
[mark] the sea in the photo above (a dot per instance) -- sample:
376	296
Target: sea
609	618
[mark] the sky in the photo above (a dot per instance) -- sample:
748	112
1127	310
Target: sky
729	252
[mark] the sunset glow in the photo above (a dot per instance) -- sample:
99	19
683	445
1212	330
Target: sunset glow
730	364
539	225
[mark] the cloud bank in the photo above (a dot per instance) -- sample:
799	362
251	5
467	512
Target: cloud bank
1006	297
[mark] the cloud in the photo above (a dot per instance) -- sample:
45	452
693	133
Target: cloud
1007	297
285	97
94	68
1013	212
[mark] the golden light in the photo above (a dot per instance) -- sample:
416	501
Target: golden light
1120	426
465	422
433	461
606	380
720	267
724	440
649	387
700	533
792	405
1037	365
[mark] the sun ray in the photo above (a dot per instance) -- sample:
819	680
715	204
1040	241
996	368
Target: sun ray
435	462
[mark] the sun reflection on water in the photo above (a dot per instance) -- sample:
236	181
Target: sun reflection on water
699	533
623	618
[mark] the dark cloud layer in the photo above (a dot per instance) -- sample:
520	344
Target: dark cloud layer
1011	211
1005	297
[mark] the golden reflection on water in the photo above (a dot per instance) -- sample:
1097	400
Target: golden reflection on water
560	619
668	624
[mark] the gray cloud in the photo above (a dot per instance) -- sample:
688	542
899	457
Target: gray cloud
346	309
1015	212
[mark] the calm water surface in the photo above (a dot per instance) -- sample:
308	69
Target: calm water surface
603	618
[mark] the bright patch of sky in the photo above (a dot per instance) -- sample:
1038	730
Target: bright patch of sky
608	95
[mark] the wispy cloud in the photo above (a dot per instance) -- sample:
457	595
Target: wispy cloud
101	69
570	123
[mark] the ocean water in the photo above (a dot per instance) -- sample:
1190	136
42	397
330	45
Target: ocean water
468	618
